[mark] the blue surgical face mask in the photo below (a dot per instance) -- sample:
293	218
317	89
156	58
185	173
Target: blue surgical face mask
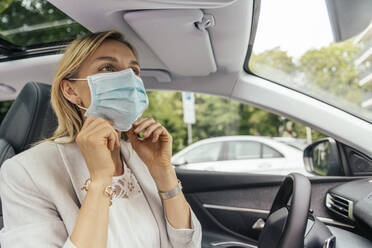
117	96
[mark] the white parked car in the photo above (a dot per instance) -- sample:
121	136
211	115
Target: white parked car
241	153
294	142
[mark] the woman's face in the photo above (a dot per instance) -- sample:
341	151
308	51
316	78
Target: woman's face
111	56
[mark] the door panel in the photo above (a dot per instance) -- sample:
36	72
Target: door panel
228	204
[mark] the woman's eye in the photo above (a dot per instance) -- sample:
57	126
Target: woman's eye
136	71
107	68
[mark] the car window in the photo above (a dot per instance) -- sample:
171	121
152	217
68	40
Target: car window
223	118
239	150
35	23
229	120
325	57
268	152
204	153
4	107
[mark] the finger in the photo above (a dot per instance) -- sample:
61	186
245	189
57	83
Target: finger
130	133
88	120
98	122
114	140
156	134
87	130
139	120
118	138
150	129
108	132
144	124
132	138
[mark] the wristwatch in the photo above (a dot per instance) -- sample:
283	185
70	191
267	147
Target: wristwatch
171	193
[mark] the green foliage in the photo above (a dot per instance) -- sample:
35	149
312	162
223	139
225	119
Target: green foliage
215	116
36	22
166	107
4	4
332	69
4	107
274	59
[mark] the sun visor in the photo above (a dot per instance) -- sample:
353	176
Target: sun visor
178	37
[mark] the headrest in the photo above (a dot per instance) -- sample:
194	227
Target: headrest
30	118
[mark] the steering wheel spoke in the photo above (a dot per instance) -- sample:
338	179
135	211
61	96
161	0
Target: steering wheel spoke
286	224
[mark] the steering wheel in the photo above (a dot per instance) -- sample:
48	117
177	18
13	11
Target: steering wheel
285	226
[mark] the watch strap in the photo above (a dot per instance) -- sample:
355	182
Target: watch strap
171	193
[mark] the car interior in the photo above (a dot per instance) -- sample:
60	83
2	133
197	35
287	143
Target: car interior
203	46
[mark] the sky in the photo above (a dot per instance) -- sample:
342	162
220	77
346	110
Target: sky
294	25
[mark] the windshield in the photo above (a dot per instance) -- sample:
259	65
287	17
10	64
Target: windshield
321	48
36	22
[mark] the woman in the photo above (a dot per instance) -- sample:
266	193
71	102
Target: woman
95	183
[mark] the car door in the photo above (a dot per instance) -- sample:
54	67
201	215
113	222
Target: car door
250	156
273	161
203	157
229	204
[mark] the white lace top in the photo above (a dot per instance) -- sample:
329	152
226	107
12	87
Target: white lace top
131	222
126	185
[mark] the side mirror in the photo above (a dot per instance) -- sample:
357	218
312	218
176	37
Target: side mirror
323	158
180	161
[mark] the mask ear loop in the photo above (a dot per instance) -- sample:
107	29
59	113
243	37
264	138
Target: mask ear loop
81	107
76	79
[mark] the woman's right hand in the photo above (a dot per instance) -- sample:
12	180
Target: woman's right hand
96	139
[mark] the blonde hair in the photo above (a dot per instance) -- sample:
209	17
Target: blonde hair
70	120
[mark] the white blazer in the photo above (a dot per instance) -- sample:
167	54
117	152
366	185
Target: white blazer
41	197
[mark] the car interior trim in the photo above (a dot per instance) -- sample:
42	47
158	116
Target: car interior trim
251	210
230	243
34	52
262	211
180	23
334	222
331	199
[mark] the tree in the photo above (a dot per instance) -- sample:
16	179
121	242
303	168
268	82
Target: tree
22	14
215	116
273	59
331	71
166	107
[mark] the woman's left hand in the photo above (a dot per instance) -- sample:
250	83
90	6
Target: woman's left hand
156	147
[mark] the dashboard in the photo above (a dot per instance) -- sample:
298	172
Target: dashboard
351	203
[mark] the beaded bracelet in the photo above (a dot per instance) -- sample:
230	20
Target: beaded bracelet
107	190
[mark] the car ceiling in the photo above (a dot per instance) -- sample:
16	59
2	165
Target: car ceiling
167	59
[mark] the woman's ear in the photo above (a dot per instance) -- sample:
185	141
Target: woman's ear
69	92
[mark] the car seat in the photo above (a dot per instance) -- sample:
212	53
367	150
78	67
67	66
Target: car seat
29	119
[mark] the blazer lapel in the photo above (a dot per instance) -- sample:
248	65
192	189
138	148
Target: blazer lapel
149	188
75	166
